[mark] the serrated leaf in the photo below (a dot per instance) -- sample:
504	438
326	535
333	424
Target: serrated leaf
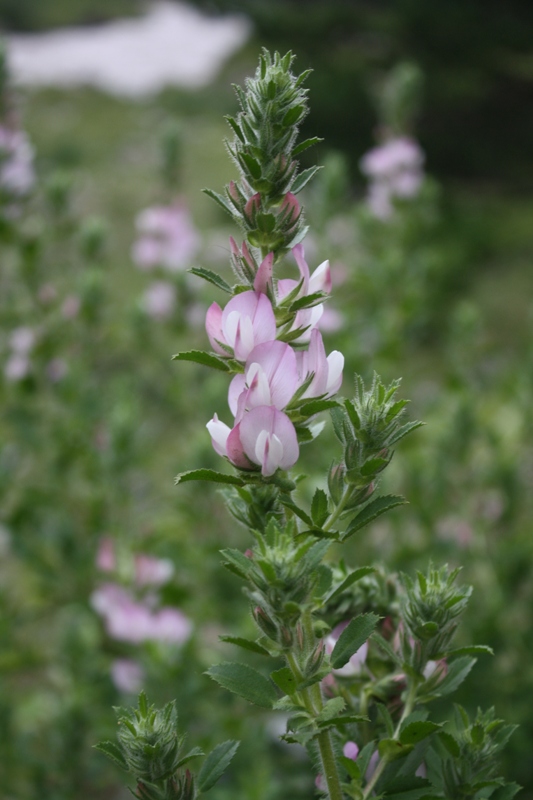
208	475
450	743
246	644
242	564
352	638
244	681
506	792
374	465
319	507
331	709
113	752
372	511
354	576
303	179
344	719
304	145
201	357
216	764
285	680
384	645
212	277
415	732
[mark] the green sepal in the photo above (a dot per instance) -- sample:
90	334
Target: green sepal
215	764
308	301
201	357
245	682
222	202
208	475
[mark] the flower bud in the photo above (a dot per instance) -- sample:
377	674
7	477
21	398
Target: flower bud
267	625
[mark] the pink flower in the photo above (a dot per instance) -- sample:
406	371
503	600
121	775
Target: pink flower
129	620
105	556
247	320
167	238
319	281
16	162
56	369
150	571
355	665
265	436
22	340
16	367
159	300
127	675
395	169
71	306
270	379
350	750
327	372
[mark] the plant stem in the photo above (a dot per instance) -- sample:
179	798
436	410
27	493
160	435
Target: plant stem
409	705
333	517
314	703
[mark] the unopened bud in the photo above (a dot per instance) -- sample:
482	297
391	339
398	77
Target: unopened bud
252	206
314	662
267	625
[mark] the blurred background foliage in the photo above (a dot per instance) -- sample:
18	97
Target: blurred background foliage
441	296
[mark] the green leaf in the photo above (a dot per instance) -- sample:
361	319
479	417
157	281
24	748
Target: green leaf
506	792
303	179
293	115
242	565
113	752
215	764
196	752
288	503
235	127
391	749
319	507
201	357
352	638
222	202
308	301
244	681
415	732
285	680
457	672
212	277
450	743
208	475
403	431
246	644
253	166
304	145
471	650
316	406
384	645
354	576
344	719
332	709
372	511
350	766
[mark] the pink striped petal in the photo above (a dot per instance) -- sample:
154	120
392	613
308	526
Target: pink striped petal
219	434
269	439
263	277
213	326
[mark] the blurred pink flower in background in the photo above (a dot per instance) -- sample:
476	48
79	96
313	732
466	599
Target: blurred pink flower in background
18	365
71	306
127	675
395	170
16	163
159	300
148	570
167	238
130	620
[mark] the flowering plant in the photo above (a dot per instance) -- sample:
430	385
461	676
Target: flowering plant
363	652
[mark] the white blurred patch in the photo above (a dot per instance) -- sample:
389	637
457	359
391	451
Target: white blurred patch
172	45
